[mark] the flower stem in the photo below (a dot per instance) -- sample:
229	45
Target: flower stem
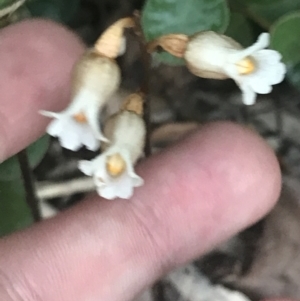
31	198
144	88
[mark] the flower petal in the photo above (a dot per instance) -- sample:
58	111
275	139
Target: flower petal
49	114
270	71
249	96
84	98
55	127
93	117
262	42
70	139
121	187
88	138
87	167
107	192
137	181
261	87
125	187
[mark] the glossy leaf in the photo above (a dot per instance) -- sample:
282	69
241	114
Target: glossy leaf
267	12
263	2
293	74
285	37
14	212
57	10
10	169
161	17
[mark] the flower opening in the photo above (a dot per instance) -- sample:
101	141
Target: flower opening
246	66
254	69
115	165
80	117
95	79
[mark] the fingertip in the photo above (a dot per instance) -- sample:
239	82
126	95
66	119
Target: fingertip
37	57
246	161
217	182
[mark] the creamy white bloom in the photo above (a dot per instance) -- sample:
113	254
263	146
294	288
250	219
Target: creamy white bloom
254	69
95	79
113	171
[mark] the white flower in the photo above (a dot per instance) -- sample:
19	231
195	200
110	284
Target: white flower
254	69
113	171
95	79
113	174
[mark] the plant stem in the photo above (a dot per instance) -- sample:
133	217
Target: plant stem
245	116
158	291
146	59
31	197
278	119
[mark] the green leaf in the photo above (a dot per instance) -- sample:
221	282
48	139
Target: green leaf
45	9
285	37
293	74
14	212
262	2
10	168
266	12
240	29
57	10
161	17
237	5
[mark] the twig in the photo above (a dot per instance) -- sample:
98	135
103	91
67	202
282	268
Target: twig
244	113
194	286
279	119
146	59
158	291
49	190
28	181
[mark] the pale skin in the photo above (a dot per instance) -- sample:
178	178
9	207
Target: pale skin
196	194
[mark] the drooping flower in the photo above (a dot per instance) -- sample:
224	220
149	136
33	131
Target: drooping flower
113	170
95	79
96	76
254	69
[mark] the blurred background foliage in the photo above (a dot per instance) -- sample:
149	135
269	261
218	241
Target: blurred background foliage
241	19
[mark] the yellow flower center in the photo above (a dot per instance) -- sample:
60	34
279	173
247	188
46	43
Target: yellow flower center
80	118
245	66
115	165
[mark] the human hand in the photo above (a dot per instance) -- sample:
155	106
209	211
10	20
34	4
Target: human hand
196	194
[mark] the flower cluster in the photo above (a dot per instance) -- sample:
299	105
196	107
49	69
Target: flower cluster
96	77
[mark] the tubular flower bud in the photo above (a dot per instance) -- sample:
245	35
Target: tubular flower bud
95	79
254	69
113	171
112	42
134	103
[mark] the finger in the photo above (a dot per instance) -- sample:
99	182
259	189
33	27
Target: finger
196	195
280	299
36	60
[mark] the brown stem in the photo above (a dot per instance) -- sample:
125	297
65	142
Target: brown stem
146	59
31	197
158	291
